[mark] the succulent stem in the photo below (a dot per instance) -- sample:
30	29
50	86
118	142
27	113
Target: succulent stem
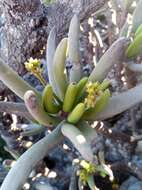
23	167
41	79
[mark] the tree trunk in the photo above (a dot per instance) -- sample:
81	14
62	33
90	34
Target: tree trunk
25	26
28	24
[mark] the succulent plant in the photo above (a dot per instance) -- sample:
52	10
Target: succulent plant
134	31
67	102
87	171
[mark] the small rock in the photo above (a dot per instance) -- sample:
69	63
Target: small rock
136	186
131	184
40	186
139	147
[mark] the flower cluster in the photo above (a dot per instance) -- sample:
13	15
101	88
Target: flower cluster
34	66
87	169
93	92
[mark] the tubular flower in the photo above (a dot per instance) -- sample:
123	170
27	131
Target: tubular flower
93	92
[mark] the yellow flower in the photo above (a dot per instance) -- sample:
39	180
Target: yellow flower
34	66
94	90
87	169
91	94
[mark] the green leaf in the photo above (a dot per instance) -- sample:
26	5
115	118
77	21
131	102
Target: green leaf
91	183
79	141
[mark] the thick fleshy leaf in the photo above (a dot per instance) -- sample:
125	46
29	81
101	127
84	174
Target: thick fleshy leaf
31	129
120	103
135	67
16	108
50	51
73	40
100	105
137	17
124	30
13	81
73	49
59	69
75	73
89	133
91	183
80	184
35	108
114	55
79	141
134	49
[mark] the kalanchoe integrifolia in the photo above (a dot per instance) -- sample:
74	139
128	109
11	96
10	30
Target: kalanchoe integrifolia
68	102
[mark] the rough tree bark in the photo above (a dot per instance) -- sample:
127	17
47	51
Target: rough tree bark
25	25
28	23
